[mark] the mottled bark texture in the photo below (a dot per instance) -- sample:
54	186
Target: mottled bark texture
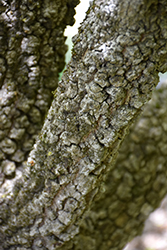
134	187
32	54
120	48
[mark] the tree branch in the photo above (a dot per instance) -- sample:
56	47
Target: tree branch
32	54
134	187
115	64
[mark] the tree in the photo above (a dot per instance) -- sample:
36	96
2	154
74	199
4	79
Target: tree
71	193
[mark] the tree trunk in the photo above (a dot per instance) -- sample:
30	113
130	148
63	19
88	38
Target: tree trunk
71	173
134	187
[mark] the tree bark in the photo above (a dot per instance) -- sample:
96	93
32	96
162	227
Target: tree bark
134	187
120	48
32	54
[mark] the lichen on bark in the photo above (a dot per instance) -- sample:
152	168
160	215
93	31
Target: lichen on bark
134	187
32	54
117	54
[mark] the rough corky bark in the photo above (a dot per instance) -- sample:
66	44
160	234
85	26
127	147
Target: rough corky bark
117	55
32	54
119	213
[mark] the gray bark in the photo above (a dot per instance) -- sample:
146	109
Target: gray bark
134	187
120	48
32	54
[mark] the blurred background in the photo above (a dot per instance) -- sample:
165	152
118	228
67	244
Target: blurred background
71	31
154	236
